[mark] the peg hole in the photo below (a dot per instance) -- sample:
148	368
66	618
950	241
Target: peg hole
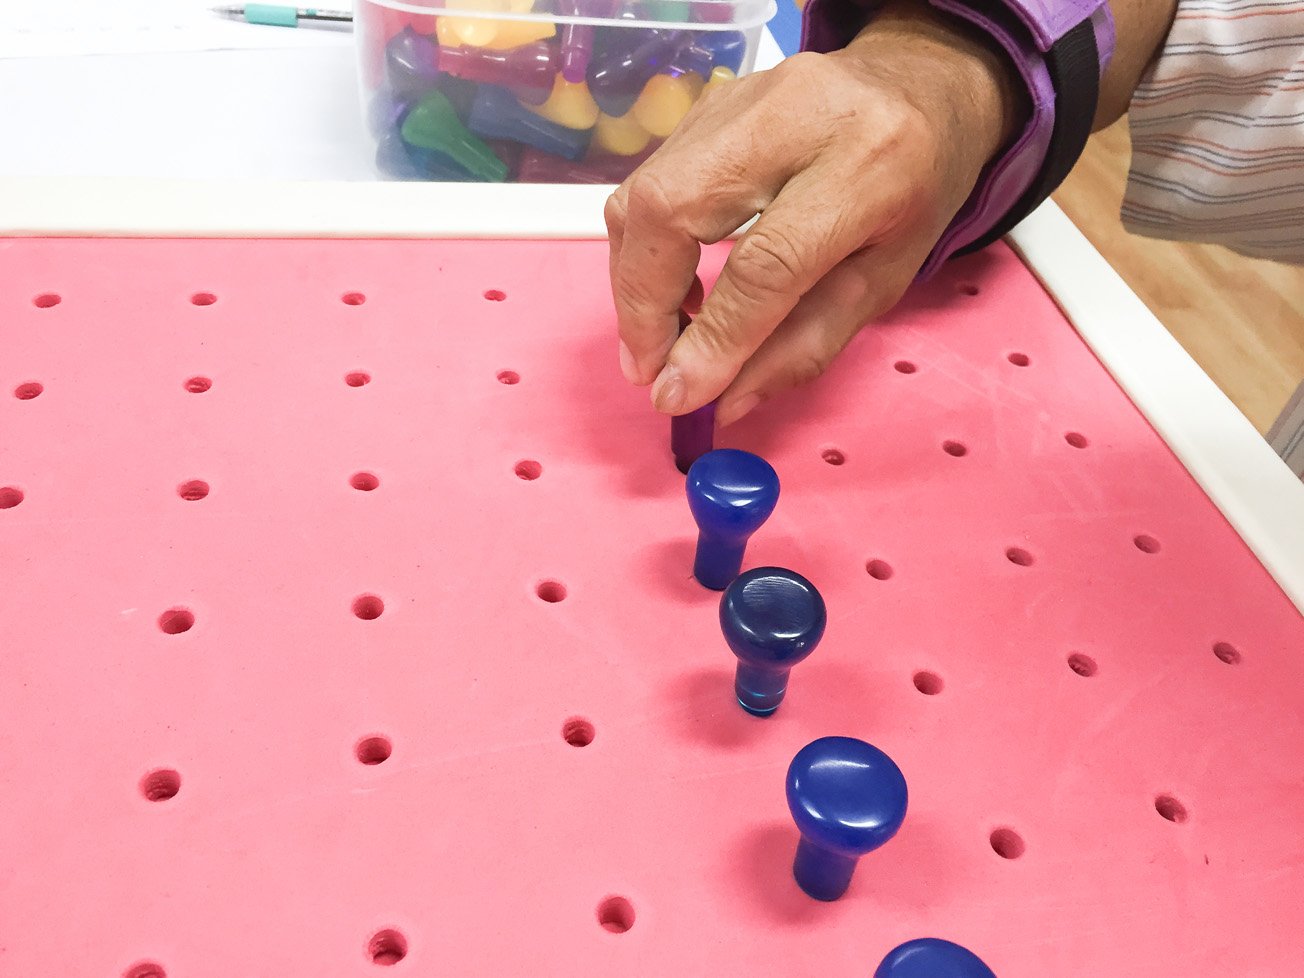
47	300
928	683
145	969
373	750
955	449
160	785
368	607
508	377
551	591
833	456
357	378
1076	440
879	570
203	299
1019	556
578	732
1226	652
28	391
1007	843
193	491
904	367
353	298
1019	359
198	385
364	481
616	914
387	947
10	496
495	295
969	289
174	621
1146	544
1171	809
1083	665
528	469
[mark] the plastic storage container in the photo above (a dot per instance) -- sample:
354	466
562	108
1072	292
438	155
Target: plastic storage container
541	91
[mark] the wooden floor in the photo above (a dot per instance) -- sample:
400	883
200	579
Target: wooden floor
1241	319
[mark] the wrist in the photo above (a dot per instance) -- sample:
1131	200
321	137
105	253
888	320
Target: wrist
972	84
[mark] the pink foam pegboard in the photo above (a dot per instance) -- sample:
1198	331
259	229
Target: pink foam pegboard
211	495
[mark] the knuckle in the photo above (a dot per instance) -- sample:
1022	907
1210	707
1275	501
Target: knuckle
803	65
615	214
808	366
648	199
768	261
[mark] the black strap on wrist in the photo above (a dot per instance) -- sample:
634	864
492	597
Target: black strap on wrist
1074	66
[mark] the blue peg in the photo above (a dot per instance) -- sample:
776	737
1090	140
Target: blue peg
930	957
496	114
847	798
727	48
731	493
772	619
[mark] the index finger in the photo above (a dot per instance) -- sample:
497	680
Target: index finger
686	195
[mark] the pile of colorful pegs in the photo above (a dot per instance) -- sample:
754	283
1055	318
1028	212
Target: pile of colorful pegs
531	97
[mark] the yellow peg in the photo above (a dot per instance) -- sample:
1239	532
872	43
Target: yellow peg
720	76
664	101
621	136
569	105
497	35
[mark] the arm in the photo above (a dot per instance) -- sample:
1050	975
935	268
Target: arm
1141	26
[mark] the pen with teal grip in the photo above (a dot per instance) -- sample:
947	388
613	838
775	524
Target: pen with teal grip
276	15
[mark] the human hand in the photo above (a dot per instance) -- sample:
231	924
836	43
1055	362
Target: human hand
856	161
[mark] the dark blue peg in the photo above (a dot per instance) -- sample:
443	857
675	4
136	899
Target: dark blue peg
731	493
496	114
772	619
930	957
847	798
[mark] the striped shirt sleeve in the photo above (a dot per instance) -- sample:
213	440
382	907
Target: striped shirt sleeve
1218	130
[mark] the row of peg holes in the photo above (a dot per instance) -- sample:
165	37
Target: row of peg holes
48	300
387	947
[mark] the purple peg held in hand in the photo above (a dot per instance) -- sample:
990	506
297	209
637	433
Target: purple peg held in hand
692	435
411	63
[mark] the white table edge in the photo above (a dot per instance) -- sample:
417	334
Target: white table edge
1235	466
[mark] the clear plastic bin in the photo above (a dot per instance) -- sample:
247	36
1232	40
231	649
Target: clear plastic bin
541	91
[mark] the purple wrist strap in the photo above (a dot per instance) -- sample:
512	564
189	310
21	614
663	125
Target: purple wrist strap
1026	30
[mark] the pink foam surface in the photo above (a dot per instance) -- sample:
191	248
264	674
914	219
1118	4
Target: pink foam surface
486	840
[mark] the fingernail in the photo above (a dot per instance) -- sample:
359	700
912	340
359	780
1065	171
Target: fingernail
668	392
627	365
737	409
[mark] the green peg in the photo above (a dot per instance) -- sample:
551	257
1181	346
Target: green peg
433	124
667	11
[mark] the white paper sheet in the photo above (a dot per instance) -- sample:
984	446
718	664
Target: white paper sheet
44	28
